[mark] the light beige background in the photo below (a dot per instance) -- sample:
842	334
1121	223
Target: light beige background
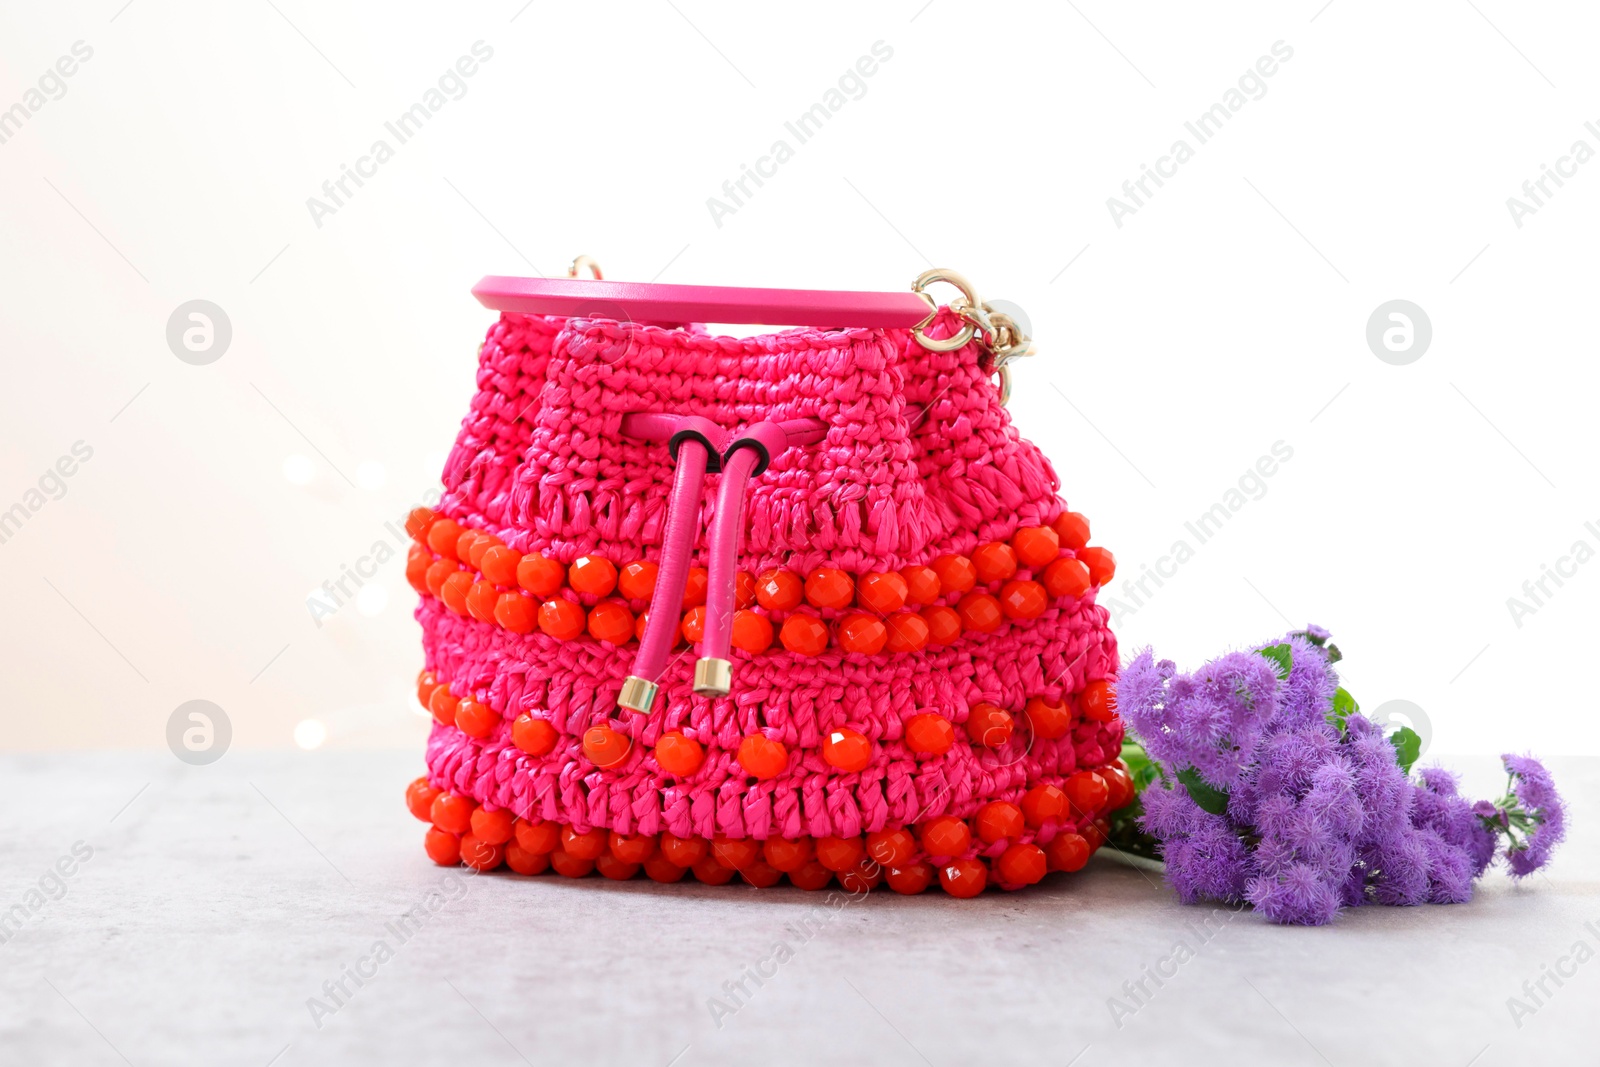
1225	315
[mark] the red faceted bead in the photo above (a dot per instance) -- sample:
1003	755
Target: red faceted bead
683	851
829	587
493	827
1067	578
585	846
466	543
882	592
660	869
1087	792
840	854
910	879
997	821
534	736
1051	722
418	521
752	631
562	619
1119	788
480	548
443	535
980	612
1021	864
788	856
762	757
454	589
611	621
592	575
516	613
892	848
711	872
481	599
847	750
535	836
744	589
811	876
861	878
779	590
945	835
540	576
499	565
1023	600
632	848
1042	803
426	684
994	562
989	726
735	852
476	719
761	874
695	586
524	862
443	847
637	581
928	734
906	632
570	866
804	635
1035	546
1101	563
452	812
1072	529
481	855
1099	701
862	633
1067	852
436	574
944	624
922	584
605	747
419	799
963	878
443	705
693	626
418	560
956	574
679	755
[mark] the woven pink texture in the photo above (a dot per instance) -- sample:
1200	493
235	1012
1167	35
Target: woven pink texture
919	460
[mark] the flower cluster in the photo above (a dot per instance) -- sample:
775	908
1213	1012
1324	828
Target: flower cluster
1267	785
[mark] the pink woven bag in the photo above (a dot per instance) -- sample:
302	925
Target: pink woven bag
801	604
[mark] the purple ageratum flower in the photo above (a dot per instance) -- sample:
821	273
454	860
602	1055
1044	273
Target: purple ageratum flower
1308	691
1299	894
1537	809
1209	720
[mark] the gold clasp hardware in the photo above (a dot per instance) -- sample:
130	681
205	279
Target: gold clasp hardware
999	333
583	262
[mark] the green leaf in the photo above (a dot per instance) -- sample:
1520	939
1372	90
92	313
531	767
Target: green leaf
1209	797
1407	747
1282	655
1141	768
1344	705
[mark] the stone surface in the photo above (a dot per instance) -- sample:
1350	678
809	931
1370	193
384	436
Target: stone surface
219	899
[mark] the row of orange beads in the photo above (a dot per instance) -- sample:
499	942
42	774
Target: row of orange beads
909	860
884	625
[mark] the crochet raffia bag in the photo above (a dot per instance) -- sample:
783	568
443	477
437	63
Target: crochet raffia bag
800	604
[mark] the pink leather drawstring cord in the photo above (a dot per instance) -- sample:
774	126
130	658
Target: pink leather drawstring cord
746	457
696	447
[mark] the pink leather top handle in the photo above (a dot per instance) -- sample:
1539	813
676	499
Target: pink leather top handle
650	302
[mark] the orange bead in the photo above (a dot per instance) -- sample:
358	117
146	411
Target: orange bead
1119	788
632	848
419	799
611	867
418	560
540	576
693	626
811	876
561	619
804	635
1021	864
710	872
980	612
476	719
735	852
605	747
1088	793
481	599
534	736
1101	563
585	846
944	624
660	869
524	862
994	562
1067	578
570	866
882	592
861	878
452	812
997	821
1023	600
786	855
1050	722
481	855
480	548
499	565
418	521
1099	701
453	591
752	632
439	570
840	854
922	584
592	575
956	574
846	750
683	851
829	587
695	585
862	633
426	684
637	581
493	827
536	837
1035	546
443	705
1072	529
744	589
1067	852
989	726
679	755
516	613
443	848
906	632
466	543
1042	803
928	734
761	874
762	757
963	878
611	621
442	537
1095	834
892	848
910	879
945	836
779	590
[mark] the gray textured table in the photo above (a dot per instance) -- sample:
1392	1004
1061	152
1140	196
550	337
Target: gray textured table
217	901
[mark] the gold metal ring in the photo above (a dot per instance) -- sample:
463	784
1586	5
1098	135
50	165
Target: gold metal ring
585	261
969	298
1005	384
